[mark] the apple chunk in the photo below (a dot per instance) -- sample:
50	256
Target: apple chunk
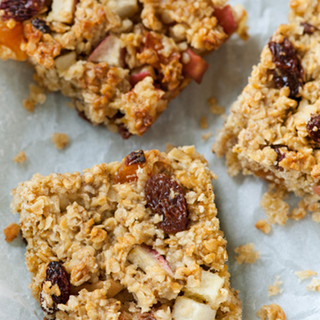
109	50
145	257
189	309
209	289
124	8
196	66
63	11
63	63
140	73
226	19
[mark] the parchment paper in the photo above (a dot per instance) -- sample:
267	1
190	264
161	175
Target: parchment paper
287	249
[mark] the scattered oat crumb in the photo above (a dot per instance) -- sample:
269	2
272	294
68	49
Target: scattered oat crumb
264	226
11	231
314	285
214	107
20	157
246	254
305	274
36	96
60	140
70	105
271	312
203	123
316	216
207	135
274	289
298	214
277	210
169	147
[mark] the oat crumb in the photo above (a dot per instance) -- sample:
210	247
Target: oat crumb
316	216
271	312
314	285
214	107
305	274
207	135
246	254
203	123
60	140
11	231
264	226
276	209
274	289
20	157
168	147
36	96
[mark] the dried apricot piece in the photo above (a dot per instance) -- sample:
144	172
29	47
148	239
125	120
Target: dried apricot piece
165	197
129	167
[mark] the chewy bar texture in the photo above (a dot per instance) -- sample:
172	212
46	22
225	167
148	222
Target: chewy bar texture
133	240
273	128
121	61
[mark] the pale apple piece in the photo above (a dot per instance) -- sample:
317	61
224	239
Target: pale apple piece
63	63
124	8
209	289
109	51
189	309
145	257
139	74
196	67
62	11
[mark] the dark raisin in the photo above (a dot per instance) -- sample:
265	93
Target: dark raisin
288	72
280	155
313	127
146	316
56	275
124	132
20	10
128	169
308	28
41	25
165	197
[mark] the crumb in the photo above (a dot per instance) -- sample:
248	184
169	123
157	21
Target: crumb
298	214
60	140
264	226
203	123
11	231
305	274
169	147
207	135
20	157
277	210
214	107
314	285
273	289
316	216
271	312
36	96
246	254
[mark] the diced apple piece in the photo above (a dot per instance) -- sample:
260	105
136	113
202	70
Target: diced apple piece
209	289
226	19
145	257
189	309
63	11
317	190
109	50
124	8
63	63
195	67
140	73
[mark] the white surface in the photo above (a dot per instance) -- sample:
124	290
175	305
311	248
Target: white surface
287	249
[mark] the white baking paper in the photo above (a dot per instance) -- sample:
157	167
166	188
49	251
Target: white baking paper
294	247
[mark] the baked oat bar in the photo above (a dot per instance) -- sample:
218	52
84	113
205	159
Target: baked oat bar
121	61
273	128
132	240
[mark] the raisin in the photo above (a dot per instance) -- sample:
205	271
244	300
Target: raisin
165	197
129	167
20	10
124	132
57	275
288	72
40	25
308	28
313	127
280	155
